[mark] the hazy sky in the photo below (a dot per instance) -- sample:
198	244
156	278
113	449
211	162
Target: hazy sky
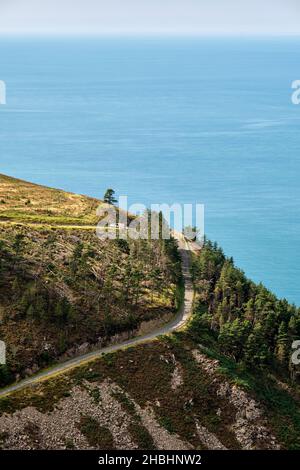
150	16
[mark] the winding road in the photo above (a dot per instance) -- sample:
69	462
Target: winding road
178	322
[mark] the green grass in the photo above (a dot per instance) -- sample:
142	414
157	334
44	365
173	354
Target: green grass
49	219
27	202
43	397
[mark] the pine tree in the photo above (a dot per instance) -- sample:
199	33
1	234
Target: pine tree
233	336
282	344
256	352
109	197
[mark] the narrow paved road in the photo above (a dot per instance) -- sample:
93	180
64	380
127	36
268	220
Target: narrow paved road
177	322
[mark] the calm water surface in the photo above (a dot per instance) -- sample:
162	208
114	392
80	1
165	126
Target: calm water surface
205	120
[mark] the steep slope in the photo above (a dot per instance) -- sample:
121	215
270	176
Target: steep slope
224	382
165	395
178	392
21	201
64	291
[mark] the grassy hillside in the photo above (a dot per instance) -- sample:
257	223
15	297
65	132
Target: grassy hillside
21	201
62	290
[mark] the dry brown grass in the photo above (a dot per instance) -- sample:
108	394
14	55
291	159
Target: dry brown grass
23	201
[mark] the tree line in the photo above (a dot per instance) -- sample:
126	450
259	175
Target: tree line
250	323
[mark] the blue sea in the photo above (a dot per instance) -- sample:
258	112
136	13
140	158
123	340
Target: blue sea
207	120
